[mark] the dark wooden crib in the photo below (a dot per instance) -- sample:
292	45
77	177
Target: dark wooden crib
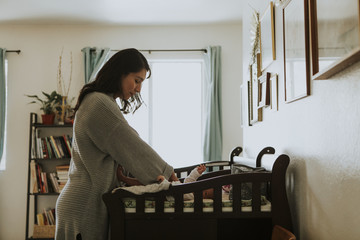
198	224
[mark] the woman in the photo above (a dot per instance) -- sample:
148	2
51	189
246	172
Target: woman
103	140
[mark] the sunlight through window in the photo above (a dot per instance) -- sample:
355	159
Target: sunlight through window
170	119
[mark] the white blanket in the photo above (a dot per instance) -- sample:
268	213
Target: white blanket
150	188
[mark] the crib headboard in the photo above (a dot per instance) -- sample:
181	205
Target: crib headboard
277	164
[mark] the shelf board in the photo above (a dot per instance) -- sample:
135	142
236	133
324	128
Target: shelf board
39	125
45	194
50	159
31	238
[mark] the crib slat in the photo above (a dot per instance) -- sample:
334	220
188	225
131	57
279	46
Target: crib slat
256	198
198	202
179	203
217	199
236	197
140	204
159	204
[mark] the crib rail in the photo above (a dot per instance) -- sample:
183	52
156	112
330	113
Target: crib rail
123	223
177	192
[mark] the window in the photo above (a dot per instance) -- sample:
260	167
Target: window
170	119
3	158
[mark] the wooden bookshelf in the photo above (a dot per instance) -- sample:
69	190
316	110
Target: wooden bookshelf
41	162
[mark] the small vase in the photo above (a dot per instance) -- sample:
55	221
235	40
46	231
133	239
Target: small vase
48	119
63	110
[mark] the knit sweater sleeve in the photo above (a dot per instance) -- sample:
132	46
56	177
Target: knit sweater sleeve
110	132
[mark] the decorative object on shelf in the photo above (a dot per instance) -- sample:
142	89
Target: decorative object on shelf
267	37
296	50
63	90
49	105
335	38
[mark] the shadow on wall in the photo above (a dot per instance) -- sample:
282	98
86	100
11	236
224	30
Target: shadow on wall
296	181
319	195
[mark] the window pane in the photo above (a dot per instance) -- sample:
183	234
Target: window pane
176	110
3	158
170	119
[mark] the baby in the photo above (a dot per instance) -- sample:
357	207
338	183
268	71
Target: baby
193	176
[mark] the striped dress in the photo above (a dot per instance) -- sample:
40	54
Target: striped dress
102	139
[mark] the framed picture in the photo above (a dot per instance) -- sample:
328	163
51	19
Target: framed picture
332	51
250	109
254	88
296	50
274	99
241	107
264	90
267	37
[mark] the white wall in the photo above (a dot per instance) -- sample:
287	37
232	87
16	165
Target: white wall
320	133
35	69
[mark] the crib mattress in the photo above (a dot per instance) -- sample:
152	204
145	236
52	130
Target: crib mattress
169	206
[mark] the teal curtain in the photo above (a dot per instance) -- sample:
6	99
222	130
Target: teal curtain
94	59
212	141
2	100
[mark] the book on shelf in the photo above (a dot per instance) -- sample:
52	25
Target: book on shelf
52	147
55	147
40	219
33	177
42	182
46	217
62	175
54	182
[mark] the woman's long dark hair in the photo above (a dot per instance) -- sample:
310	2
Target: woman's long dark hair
108	79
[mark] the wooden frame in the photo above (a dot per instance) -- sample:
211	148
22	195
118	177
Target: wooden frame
264	90
250	109
333	51
254	86
267	37
296	50
241	106
274	102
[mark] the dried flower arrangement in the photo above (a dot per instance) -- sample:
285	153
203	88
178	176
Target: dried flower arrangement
63	114
255	36
60	79
279	2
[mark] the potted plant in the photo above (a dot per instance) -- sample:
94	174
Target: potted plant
48	105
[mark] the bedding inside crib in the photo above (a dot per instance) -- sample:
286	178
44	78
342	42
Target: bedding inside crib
169	206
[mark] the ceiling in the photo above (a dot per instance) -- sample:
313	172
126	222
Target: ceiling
120	12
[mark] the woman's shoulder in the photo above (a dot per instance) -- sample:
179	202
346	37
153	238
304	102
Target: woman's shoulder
98	96
98	100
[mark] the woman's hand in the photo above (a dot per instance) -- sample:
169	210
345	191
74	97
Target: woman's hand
128	180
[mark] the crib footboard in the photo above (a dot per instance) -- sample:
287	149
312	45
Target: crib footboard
165	214
168	209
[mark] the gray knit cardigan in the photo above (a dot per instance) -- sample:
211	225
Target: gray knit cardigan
102	139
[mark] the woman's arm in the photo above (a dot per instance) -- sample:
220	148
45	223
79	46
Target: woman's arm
128	180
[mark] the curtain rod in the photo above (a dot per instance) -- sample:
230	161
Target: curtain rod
16	51
169	50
